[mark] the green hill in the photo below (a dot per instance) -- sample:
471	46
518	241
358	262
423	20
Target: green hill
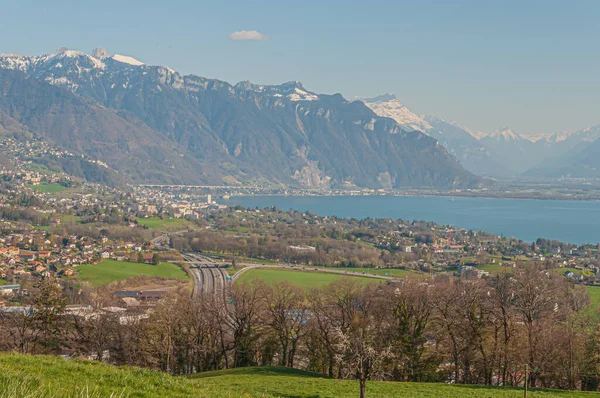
44	376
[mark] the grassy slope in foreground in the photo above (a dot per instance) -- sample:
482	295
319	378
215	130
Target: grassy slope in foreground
303	279
107	271
285	382
28	376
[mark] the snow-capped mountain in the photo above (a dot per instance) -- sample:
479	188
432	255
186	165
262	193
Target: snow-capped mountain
387	105
505	134
569	154
511	149
473	155
226	133
294	91
69	69
458	140
124	59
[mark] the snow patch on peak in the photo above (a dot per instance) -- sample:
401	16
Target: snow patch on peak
294	91
387	105
301	95
506	134
76	55
70	54
127	60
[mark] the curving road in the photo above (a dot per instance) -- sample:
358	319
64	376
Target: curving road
301	268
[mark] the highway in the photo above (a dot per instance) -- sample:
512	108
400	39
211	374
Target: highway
209	278
163	239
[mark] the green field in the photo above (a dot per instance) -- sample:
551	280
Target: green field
594	308
393	272
108	271
241	259
168	224
576	271
45	377
40	168
285	382
299	278
69	218
48	188
495	269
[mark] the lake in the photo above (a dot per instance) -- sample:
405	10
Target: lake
567	221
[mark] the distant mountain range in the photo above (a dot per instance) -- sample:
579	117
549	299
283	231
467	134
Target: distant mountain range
503	153
152	124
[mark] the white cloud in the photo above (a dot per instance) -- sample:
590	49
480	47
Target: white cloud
247	35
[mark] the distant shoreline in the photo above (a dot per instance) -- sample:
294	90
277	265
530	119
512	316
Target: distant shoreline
573	221
431	194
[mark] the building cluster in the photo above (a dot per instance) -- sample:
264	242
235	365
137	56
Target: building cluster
171	202
34	254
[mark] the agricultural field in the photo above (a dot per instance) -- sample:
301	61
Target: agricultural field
108	271
45	377
495	269
68	219
48	188
303	279
40	168
392	272
594	308
168	224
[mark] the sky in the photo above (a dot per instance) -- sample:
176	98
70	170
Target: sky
531	65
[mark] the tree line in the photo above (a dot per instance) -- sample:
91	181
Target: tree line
449	330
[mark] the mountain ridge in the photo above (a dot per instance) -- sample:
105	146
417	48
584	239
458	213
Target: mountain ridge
280	134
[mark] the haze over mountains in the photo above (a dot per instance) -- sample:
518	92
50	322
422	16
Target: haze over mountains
504	152
152	124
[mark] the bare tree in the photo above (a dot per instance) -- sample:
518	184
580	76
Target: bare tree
287	315
362	347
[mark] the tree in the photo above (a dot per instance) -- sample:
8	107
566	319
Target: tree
333	309
590	363
536	301
287	315
243	319
47	322
409	313
362	347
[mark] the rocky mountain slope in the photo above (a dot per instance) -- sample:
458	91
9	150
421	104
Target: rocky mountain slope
156	125
472	154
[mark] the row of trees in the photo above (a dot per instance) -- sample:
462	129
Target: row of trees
329	250
475	332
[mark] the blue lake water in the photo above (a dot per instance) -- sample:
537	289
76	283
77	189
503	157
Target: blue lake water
568	221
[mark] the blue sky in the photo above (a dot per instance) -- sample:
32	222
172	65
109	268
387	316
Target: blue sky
530	65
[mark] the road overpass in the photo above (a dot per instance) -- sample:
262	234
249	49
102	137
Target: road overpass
208	277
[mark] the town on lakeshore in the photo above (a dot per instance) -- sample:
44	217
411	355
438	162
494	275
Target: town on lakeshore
180	216
54	224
